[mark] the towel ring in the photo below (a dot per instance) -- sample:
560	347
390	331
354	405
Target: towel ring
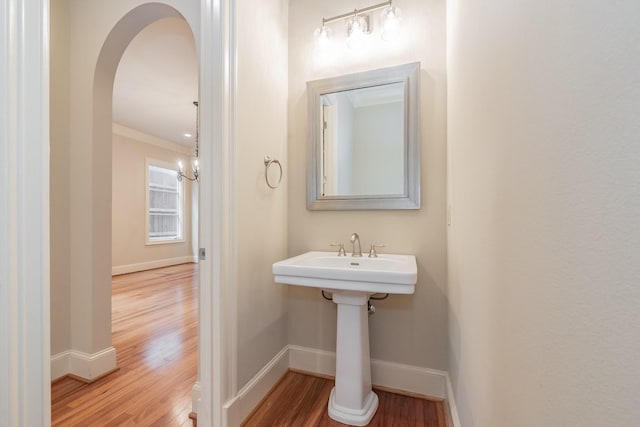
268	161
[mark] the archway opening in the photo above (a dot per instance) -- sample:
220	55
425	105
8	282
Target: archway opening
96	334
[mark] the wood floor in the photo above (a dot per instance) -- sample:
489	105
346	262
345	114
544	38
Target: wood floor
301	401
155	333
154	330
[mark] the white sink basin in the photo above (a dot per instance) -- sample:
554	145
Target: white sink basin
392	274
351	280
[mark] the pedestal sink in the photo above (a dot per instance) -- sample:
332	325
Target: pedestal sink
351	280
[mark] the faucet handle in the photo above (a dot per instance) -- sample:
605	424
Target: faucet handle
341	251
372	251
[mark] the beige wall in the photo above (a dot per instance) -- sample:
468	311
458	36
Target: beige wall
59	176
85	294
544	255
128	244
405	329
261	213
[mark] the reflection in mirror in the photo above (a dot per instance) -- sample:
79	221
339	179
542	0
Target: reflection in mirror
364	140
369	124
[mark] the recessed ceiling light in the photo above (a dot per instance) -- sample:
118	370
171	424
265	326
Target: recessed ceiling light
188	135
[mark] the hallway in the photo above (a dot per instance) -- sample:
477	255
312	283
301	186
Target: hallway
155	333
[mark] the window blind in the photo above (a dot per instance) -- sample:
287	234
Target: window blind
164	204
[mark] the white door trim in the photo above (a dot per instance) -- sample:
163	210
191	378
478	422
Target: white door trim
24	206
25	394
218	345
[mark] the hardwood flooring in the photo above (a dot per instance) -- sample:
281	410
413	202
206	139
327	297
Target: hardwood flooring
301	401
155	333
154	330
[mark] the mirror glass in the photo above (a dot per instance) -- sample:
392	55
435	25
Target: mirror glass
363	141
364	148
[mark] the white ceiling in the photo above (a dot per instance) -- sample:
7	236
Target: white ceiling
157	81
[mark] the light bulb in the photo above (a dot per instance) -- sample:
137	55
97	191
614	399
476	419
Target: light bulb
391	17
196	164
323	36
180	166
356	30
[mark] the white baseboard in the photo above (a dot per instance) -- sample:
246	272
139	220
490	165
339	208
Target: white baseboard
312	360
85	366
239	408
425	381
451	405
414	379
196	394
60	365
150	265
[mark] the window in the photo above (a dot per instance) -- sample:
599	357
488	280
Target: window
164	205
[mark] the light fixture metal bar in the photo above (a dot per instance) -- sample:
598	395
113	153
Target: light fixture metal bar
355	12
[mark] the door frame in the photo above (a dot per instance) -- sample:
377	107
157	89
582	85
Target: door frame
25	351
25	373
218	300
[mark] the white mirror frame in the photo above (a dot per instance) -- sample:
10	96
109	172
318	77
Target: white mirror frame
409	75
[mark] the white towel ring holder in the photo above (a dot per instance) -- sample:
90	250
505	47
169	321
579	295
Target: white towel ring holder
268	162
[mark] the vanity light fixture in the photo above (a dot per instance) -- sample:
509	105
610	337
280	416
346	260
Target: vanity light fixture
358	25
195	167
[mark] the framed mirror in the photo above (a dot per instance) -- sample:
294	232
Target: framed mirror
363	143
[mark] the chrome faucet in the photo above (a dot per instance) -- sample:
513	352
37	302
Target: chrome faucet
357	250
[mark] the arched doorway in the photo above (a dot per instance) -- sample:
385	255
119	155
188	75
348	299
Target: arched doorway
217	352
27	388
154	314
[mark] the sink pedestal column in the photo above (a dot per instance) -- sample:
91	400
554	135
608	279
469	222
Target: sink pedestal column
352	401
